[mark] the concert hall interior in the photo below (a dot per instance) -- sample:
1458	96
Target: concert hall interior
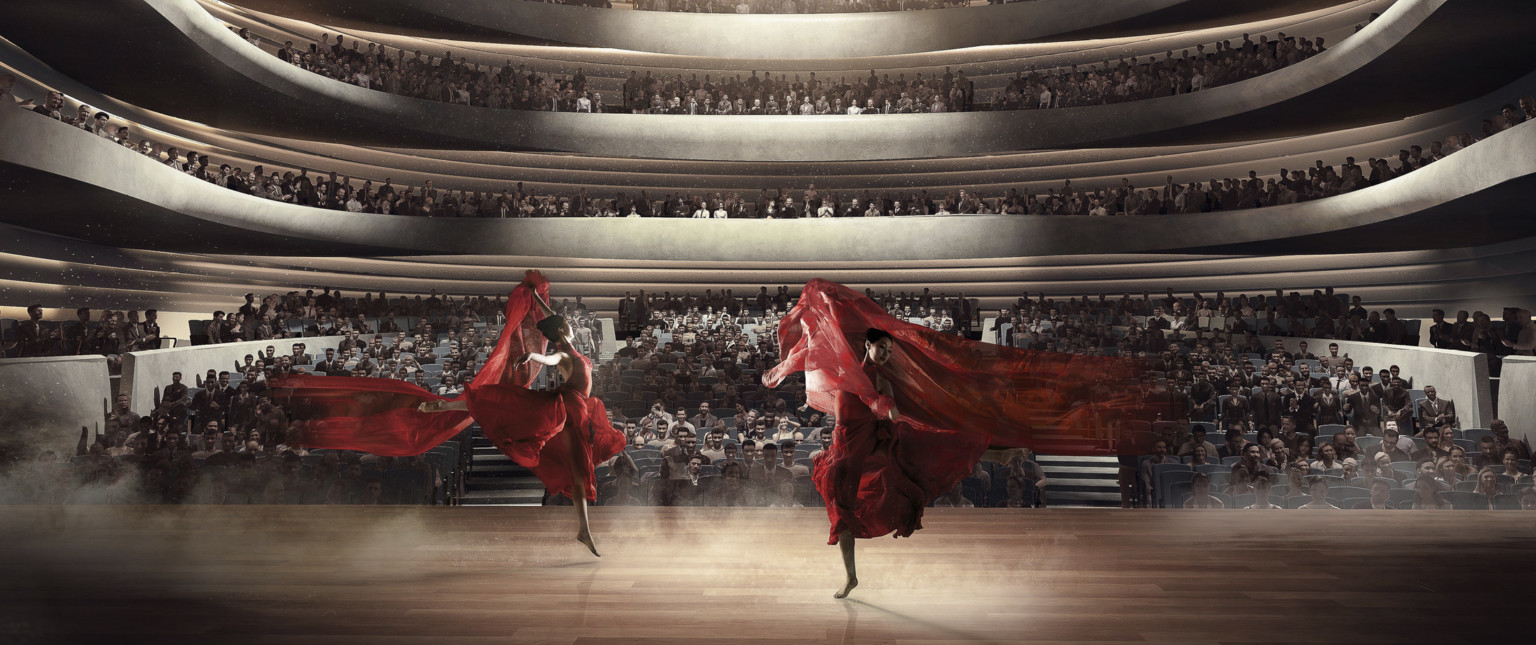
1070	286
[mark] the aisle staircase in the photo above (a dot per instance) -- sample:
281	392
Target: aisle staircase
1081	481
493	480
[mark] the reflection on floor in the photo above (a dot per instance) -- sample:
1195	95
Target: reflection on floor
309	574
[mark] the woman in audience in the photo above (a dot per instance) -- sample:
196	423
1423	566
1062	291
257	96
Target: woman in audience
1512	468
1379	467
1459	463
1327	458
784	431
1426	494
1198	458
1488	486
1305	449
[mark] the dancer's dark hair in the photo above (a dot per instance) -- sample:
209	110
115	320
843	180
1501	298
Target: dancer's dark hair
876	334
550	327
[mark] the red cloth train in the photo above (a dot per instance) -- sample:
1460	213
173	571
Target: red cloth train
380	416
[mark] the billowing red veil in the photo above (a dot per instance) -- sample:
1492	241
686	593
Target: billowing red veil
1049	402
379	416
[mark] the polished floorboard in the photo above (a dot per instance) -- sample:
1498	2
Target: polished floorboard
408	575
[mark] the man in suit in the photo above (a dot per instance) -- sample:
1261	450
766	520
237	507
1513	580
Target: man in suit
1302	353
704	420
1434	411
1330	407
300	356
1202	396
1302	405
174	401
1442	333
1307	380
1268	405
1368	379
1236	410
329	364
1397	405
1364	406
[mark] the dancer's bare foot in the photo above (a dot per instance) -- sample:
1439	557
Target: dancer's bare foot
431	406
586	538
843	593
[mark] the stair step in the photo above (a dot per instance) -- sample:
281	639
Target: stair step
1094	461
1093	484
1080	471
499	469
507	484
503	497
1076	498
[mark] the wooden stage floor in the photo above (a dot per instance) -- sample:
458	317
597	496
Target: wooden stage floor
398	575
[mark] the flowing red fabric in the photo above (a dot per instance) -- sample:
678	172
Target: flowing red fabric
955	398
380	416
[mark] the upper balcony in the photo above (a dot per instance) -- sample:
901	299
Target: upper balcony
1361	79
60	179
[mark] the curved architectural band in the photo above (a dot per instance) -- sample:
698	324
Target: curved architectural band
1487	180
262	94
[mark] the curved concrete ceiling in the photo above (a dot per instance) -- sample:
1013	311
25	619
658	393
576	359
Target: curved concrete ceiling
149	200
775	36
261	94
988	66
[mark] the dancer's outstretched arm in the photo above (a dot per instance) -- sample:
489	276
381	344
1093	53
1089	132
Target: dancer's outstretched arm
551	360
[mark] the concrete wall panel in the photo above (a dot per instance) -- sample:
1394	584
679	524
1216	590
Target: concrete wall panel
1459	376
45	401
145	373
1517	397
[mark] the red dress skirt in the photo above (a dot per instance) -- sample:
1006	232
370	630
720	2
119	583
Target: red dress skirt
527	425
878	475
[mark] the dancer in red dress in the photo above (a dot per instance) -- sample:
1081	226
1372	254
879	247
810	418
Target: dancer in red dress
916	409
559	435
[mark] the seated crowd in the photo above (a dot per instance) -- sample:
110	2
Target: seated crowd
457	80
222	439
338	192
1283	415
702	429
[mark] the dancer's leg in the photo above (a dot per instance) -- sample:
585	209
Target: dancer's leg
579	492
443	406
845	544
